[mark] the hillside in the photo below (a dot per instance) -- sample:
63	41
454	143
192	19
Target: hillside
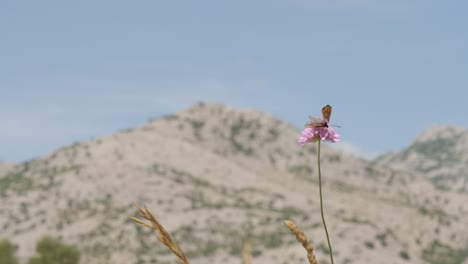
440	154
216	176
4	167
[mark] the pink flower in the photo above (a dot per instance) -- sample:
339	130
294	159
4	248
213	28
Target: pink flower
316	133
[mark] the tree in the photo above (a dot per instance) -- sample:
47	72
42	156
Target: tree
7	252
52	251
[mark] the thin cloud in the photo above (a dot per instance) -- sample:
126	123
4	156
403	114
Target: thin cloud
355	150
213	90
60	118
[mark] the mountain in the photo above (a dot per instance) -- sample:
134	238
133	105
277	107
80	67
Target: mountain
440	154
216	176
4	167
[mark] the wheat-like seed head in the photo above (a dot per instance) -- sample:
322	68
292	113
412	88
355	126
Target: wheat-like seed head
163	236
302	238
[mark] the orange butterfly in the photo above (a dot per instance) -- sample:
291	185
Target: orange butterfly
324	121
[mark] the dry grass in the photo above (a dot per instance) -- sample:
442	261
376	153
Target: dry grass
163	236
247	253
166	239
301	237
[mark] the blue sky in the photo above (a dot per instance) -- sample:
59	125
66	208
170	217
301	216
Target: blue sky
74	70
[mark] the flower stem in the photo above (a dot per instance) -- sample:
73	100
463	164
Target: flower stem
321	206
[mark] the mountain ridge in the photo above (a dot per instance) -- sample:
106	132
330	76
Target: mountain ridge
215	176
5	166
439	153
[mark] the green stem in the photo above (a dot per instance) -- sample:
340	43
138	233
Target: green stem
321	205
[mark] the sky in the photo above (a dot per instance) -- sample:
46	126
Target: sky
75	70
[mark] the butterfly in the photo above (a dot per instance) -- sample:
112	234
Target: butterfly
324	121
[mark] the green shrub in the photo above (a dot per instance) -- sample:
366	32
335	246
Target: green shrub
7	252
52	251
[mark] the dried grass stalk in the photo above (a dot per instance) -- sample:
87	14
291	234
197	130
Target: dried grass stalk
301	237
247	253
163	236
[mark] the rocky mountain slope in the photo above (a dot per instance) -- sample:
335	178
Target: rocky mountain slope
4	167
217	176
440	154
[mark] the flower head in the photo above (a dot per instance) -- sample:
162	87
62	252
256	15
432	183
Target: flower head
316	133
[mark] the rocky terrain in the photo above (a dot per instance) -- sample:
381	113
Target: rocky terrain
4	167
440	154
217	176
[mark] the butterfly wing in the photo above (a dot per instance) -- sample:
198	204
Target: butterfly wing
314	122
326	112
